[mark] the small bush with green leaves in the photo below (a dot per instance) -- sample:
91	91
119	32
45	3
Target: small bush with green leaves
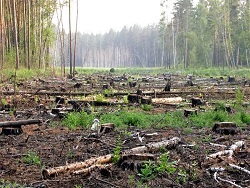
150	170
31	158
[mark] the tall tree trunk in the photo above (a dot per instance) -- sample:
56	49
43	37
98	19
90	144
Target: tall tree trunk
74	63
70	41
24	35
28	42
2	33
15	32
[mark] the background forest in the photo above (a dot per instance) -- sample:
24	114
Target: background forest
210	33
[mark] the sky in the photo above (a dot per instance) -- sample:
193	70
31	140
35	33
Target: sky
99	16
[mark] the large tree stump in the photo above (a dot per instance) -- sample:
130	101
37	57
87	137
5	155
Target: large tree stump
134	98
225	128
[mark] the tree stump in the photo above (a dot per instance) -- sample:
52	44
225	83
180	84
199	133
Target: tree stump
59	100
146	100
139	92
105	86
107	127
188	112
189	83
132	84
225	128
134	98
196	102
12	130
231	79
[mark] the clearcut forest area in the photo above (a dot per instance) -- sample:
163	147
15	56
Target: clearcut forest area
120	129
155	106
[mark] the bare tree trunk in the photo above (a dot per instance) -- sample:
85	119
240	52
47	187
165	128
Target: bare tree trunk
74	64
2	33
28	42
15	32
70	42
24	35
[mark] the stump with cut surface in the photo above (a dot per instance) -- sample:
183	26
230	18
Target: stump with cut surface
107	127
134	98
231	79
197	102
188	112
146	100
14	127
225	128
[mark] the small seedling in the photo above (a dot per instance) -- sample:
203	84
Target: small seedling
117	151
32	158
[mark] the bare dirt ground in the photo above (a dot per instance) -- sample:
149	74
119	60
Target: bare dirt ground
57	146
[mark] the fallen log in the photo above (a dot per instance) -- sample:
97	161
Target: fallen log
17	124
77	166
153	146
91	163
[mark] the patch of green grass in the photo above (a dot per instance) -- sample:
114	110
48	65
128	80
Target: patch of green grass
146	107
99	98
78	119
31	158
8	184
174	119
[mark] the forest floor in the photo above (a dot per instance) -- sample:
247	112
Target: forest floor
190	161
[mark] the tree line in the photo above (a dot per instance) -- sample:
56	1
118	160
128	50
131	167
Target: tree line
210	33
26	33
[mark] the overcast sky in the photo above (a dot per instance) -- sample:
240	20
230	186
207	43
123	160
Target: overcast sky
99	16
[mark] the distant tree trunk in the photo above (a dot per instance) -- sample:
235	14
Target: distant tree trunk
70	42
74	64
15	32
28	42
24	35
61	39
2	33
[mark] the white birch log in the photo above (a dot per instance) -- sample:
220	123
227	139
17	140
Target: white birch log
91	163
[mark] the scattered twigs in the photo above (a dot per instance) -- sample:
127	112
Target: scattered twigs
217	178
240	168
230	151
218	145
111	184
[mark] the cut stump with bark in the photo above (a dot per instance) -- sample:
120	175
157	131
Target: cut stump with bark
225	128
14	127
